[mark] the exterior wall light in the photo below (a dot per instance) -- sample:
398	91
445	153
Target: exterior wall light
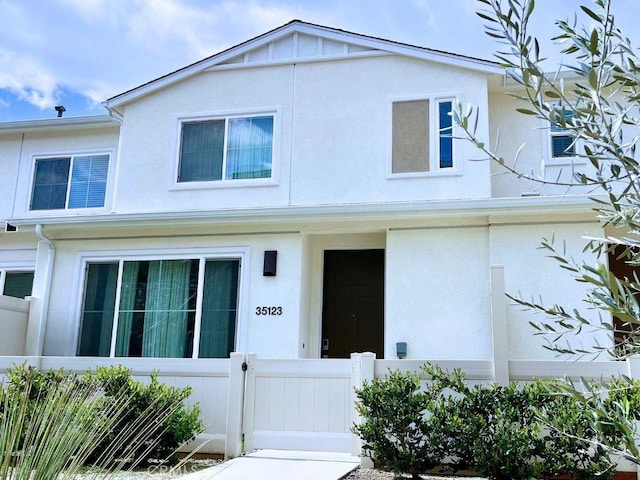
270	263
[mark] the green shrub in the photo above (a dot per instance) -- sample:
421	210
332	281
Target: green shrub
181	425
503	432
395	430
48	431
492	429
173	423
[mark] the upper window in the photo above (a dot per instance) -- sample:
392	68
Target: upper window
70	182
562	142
422	136
17	284
179	308
226	149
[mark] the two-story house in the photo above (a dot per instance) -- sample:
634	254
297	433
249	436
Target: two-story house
304	194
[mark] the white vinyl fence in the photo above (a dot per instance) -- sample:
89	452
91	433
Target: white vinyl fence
251	403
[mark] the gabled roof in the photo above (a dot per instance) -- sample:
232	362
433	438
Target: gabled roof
299	41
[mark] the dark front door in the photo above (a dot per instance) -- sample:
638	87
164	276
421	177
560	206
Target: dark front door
353	303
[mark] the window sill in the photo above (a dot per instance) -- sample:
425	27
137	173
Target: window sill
217	184
436	174
565	161
66	211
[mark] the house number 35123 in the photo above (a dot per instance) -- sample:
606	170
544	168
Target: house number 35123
268	310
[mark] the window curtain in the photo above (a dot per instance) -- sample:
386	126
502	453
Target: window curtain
127	307
219	305
249	147
166	309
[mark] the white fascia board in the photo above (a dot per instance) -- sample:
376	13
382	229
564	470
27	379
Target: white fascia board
57	124
379	211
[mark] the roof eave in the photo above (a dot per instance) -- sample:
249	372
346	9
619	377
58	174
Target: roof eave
57	124
517	206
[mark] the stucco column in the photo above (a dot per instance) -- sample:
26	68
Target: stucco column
499	334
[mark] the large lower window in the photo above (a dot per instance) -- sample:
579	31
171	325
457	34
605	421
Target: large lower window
226	149
422	136
166	308
70	182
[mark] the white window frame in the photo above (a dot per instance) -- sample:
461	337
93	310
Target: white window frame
16	268
70	154
550	160
226	115
241	254
434	136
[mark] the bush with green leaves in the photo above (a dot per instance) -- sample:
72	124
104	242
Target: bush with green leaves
499	431
50	430
175	422
398	429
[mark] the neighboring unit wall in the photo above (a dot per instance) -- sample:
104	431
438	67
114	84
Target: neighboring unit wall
102	139
530	272
438	291
10	150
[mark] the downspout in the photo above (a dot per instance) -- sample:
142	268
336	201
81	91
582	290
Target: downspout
44	306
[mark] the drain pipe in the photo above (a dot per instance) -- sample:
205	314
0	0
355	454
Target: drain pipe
45	288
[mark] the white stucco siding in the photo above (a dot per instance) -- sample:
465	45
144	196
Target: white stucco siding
102	140
267	335
342	144
437	293
9	161
332	138
18	249
530	273
151	136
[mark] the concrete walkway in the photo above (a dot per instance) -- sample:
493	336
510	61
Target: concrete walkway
281	465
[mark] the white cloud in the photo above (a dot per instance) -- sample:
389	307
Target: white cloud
25	78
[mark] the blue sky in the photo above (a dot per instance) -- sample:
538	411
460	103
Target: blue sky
78	53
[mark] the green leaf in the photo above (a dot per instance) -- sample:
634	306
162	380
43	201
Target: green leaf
591	13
